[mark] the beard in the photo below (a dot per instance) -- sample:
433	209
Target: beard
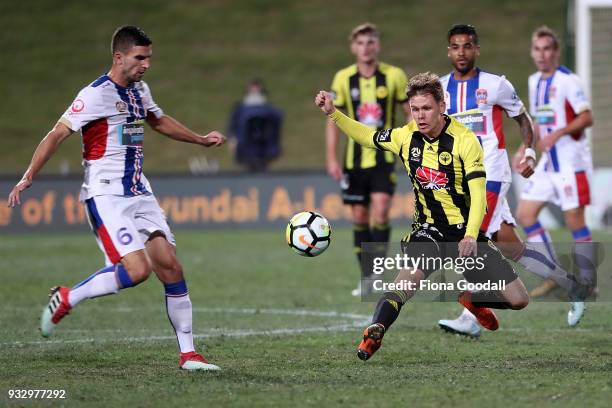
465	69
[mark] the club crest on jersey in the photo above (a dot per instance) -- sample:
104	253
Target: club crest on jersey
431	179
121	106
77	106
481	96
552	92
447	99
355	93
415	154
384	136
370	114
382	92
445	158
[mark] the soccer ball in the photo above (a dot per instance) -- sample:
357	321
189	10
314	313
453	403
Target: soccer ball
308	233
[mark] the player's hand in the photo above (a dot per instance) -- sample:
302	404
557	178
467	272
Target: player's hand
334	169
546	143
518	157
214	138
467	246
526	167
13	198
325	101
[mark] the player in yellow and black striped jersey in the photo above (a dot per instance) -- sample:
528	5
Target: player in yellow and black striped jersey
445	163
368	91
370	100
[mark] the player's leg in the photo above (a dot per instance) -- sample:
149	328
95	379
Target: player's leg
361	234
423	242
387	310
538	190
467	324
118	238
533	257
161	250
355	195
380	204
382	188
585	258
493	268
527	215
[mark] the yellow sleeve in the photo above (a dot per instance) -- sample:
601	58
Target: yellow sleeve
478	205
362	134
473	162
366	136
336	88
401	82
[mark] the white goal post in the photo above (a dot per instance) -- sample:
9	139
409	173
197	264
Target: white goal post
593	50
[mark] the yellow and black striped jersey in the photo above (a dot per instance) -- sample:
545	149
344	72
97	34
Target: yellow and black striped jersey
439	168
371	101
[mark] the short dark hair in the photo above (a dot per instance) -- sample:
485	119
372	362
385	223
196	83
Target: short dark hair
425	83
466	29
545	31
365	28
128	36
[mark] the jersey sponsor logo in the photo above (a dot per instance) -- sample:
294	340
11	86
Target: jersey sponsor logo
355	94
474	120
445	158
431	179
481	96
415	154
370	114
131	134
382	92
77	106
546	116
121	106
384	136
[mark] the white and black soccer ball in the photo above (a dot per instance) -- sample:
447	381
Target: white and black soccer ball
308	233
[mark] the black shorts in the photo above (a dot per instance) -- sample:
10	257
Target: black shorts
359	183
429	242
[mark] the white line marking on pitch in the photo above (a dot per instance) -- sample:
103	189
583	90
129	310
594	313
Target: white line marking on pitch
357	321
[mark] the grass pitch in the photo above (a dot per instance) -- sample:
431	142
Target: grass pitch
284	329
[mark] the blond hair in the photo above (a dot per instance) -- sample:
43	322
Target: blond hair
545	31
425	83
365	28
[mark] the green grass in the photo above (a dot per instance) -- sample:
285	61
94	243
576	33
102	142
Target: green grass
204	53
249	292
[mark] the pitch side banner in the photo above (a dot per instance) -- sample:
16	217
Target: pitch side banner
193	202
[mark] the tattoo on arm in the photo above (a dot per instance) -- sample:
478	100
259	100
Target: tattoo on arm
526	128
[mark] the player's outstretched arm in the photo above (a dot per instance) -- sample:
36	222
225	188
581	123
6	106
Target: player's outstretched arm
524	160
45	150
332	135
174	129
359	132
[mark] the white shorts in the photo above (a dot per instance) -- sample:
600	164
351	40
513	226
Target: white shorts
498	210
123	224
566	189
